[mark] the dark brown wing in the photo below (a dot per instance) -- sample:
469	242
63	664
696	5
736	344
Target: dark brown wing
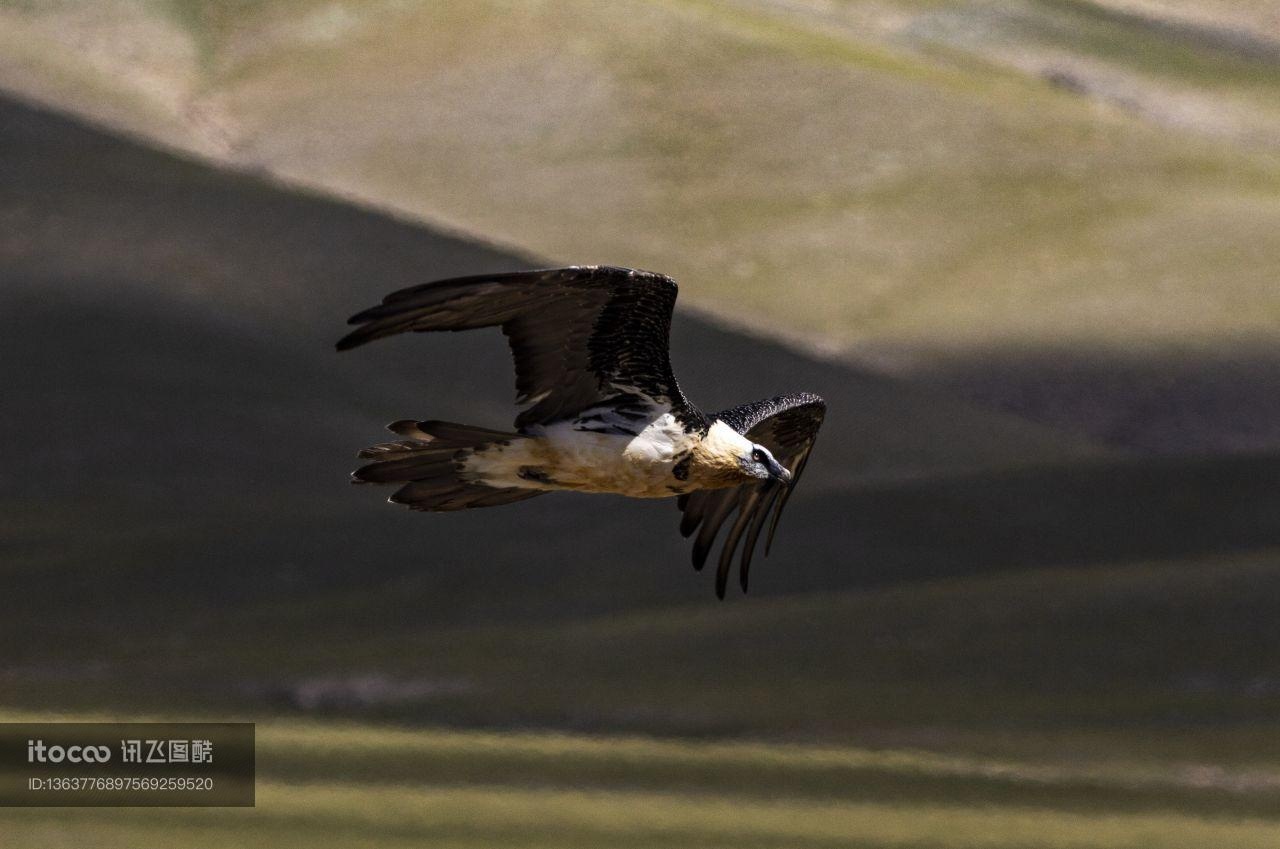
788	427
581	337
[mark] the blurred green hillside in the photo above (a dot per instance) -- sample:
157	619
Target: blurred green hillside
975	631
338	784
1027	596
940	189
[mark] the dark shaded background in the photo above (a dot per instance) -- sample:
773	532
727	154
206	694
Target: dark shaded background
179	533
175	401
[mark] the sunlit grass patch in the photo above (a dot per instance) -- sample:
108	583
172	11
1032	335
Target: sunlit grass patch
566	790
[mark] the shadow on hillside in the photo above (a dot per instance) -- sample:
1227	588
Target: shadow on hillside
183	429
1223	400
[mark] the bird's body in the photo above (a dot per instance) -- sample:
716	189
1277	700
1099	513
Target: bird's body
653	458
602	411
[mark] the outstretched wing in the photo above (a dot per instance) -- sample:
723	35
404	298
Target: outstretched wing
787	426
581	337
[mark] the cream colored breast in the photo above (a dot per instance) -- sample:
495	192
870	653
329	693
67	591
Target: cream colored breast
564	458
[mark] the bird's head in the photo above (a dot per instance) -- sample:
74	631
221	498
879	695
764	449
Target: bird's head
760	463
727	458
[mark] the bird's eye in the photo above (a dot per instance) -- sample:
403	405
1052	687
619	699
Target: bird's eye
757	454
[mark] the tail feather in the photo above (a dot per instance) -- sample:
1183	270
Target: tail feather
430	463
392	450
420	465
458	497
461	434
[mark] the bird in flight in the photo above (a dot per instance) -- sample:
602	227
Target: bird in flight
600	410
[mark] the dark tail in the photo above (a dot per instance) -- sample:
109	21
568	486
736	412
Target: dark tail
430	463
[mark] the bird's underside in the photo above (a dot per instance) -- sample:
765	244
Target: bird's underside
601	409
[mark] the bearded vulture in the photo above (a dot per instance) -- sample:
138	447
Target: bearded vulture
601	410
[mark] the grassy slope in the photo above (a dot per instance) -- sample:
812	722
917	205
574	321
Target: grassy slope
1136	689
907	161
348	786
1121	706
1258	17
1125	706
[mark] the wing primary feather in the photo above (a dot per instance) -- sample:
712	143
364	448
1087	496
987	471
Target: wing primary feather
746	502
760	511
782	502
722	504
694	506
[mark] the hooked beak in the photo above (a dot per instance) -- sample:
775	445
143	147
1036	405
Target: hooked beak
780	474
